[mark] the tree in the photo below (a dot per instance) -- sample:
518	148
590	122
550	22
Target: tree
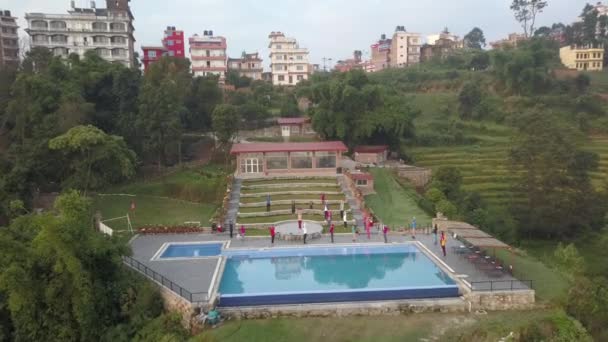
526	12
554	182
448	180
469	98
205	94
475	39
162	108
225	123
480	61
94	159
289	107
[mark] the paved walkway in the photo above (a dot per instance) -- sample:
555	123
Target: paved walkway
354	206
291	228
235	199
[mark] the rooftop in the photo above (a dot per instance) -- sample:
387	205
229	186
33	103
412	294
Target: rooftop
289	147
361	176
371	148
292	121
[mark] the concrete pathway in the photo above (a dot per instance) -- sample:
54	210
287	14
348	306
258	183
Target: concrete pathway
350	198
235	199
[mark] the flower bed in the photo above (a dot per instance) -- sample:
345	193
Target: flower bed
170	229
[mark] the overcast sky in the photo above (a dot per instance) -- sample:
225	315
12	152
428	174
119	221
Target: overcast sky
328	28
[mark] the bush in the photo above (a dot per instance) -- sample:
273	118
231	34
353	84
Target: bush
434	195
447	209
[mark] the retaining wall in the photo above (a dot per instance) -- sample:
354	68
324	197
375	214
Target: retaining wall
501	300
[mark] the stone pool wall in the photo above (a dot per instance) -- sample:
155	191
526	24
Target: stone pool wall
501	300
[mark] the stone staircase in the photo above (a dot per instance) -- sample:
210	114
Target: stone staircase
233	204
350	198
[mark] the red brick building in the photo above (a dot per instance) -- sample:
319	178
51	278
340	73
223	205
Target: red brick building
276	159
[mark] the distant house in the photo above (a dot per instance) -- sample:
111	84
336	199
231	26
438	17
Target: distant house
371	154
363	180
294	126
276	159
583	58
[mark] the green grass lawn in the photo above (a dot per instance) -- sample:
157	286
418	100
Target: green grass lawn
329	180
288	207
599	145
394	204
291	197
416	327
151	211
320	189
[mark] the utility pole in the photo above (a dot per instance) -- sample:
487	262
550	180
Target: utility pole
325	59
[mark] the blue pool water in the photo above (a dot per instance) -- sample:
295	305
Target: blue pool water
300	275
192	250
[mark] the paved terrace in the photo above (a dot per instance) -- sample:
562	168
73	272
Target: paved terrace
196	275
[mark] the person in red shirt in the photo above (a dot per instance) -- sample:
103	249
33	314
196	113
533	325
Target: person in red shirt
272	234
331	232
385	233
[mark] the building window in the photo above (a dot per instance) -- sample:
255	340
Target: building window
300	67
276	161
361	182
98	26
117	27
325	160
59	39
279	46
39	24
178	42
281	78
299	57
152	54
58	25
40	39
300	77
207	53
119	53
118	40
170	42
171	53
100	39
301	160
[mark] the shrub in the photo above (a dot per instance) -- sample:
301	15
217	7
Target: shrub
434	195
447	208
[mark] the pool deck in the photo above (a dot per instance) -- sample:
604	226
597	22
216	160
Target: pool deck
197	275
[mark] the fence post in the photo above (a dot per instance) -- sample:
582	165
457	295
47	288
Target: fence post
491	286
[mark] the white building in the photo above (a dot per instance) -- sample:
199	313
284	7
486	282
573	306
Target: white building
208	55
405	48
433	38
108	31
288	62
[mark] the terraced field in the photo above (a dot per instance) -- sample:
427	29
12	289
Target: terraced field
599	145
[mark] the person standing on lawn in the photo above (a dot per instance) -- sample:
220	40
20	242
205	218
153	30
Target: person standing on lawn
243	231
385	233
293	207
323	198
272	233
435	234
267	202
443	241
413	226
341	208
231	227
305	232
299	219
355	232
331	232
344	219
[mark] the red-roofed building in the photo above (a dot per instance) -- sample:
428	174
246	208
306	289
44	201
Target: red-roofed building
273	159
371	154
294	126
152	54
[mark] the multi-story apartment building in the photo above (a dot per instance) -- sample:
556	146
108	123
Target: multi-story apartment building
9	40
208	55
288	62
583	57
249	65
152	54
445	44
173	41
173	45
405	48
381	53
511	41
107	31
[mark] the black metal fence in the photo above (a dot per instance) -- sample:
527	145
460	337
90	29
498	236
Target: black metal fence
501	285
160	279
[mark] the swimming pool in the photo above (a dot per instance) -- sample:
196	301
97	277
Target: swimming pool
331	274
190	250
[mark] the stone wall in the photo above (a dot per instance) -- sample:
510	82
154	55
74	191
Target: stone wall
174	303
501	300
419	176
348	309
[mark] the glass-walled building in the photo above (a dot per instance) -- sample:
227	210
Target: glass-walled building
276	159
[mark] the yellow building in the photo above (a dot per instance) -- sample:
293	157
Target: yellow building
582	57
